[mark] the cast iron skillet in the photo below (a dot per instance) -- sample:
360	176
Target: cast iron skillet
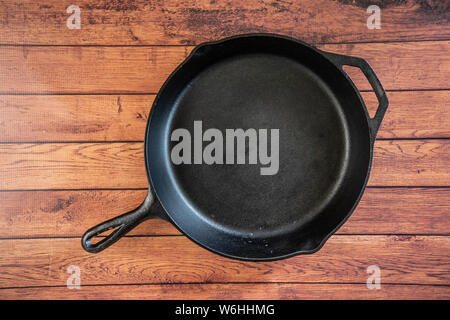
325	148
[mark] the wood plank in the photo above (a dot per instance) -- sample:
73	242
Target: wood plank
70	213
401	210
87	69
400	65
72	165
420	114
121	165
144	69
144	260
74	118
181	22
411	162
124	117
233	291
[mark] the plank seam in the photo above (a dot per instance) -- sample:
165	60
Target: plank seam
76	189
442	235
154	93
145	188
195	44
142	141
225	283
80	141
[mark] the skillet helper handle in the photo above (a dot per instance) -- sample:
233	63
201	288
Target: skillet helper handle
363	65
123	224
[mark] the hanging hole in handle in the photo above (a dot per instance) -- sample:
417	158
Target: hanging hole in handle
101	236
364	87
117	227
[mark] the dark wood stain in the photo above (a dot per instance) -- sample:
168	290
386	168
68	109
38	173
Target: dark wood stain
115	5
383	4
190	23
437	9
119	110
61	204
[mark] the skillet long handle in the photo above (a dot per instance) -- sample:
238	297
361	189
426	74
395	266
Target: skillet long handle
363	65
122	224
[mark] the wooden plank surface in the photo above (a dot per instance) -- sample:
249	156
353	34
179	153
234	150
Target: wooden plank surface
235	291
413	114
73	111
74	117
124	117
121	165
144	69
72	165
411	163
180	22
28	214
175	259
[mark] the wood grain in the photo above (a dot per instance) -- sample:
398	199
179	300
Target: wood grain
411	163
400	65
142	260
401	210
124	117
74	118
28	214
87	69
420	114
144	69
72	165
121	165
234	291
180	22
81	123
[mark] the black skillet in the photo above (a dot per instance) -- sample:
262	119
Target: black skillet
325	148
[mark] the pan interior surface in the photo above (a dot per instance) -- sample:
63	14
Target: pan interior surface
262	91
